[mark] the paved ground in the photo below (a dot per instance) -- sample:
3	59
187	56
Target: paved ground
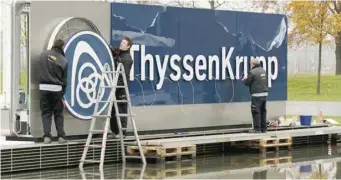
313	107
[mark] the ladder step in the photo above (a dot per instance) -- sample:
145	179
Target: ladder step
123	115
133	157
94	174
109	72
97	131
112	86
120	101
95	146
91	161
101	116
104	101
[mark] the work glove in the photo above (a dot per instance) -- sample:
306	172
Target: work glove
115	51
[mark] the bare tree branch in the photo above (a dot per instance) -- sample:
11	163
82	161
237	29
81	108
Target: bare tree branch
179	3
219	4
150	2
211	2
331	9
337	6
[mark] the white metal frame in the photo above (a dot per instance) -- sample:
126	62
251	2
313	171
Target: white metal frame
12	68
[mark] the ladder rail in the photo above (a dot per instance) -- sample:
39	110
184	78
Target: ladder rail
92	125
118	118
130	112
109	110
112	104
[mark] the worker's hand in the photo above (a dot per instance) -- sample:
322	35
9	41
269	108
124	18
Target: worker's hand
115	51
63	103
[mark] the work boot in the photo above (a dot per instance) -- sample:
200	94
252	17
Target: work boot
47	140
253	131
62	140
117	136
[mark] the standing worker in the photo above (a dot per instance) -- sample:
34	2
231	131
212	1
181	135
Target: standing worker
258	84
53	73
121	55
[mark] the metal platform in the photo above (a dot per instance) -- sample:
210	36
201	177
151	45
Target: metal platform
36	156
243	136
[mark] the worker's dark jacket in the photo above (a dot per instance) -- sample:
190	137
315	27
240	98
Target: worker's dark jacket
53	68
124	58
257	81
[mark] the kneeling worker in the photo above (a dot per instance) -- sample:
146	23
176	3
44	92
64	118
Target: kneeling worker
258	84
121	55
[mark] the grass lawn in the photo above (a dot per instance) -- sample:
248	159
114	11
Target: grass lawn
302	87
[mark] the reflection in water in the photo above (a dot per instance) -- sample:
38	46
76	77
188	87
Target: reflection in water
137	174
318	170
99	175
303	163
161	171
259	174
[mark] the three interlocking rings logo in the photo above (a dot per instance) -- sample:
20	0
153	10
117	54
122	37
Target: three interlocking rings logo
87	53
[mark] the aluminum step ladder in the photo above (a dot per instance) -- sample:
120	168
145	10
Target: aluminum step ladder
112	101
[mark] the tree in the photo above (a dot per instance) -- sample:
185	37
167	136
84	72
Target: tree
270	6
213	4
150	2
335	9
180	3
334	18
312	22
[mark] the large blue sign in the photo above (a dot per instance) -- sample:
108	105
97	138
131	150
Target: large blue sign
87	53
195	56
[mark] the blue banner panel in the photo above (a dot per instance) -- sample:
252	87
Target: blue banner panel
196	56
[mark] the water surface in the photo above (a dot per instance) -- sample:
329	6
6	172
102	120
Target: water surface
314	162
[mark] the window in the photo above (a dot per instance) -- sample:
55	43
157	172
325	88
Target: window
71	26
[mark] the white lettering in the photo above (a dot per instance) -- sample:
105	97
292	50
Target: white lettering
272	75
144	59
175	67
161	70
188	77
200	66
245	68
132	50
238	61
212	59
226	63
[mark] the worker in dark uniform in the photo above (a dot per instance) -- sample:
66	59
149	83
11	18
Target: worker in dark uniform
53	73
121	55
258	84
